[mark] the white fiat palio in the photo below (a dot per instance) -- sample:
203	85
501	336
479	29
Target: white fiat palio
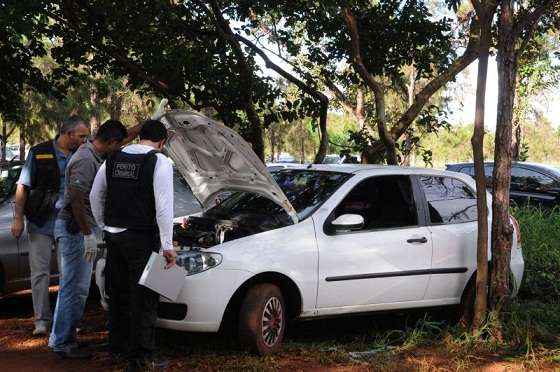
312	241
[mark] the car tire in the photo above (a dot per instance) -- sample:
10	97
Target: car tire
465	311
262	319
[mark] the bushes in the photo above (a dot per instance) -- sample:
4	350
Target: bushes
540	239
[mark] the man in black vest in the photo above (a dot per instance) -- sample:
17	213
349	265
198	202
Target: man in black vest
38	197
132	200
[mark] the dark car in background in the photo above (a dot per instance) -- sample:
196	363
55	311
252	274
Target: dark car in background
531	183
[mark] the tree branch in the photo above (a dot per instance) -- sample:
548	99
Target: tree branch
133	68
420	100
319	96
528	21
344	102
376	87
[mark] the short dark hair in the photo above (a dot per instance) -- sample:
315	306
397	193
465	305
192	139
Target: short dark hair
111	130
153	130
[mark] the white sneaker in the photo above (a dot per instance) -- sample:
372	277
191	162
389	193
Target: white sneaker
40	330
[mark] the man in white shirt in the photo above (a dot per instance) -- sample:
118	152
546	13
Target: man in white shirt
132	201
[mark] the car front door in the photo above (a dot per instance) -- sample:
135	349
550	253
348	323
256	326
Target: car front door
387	260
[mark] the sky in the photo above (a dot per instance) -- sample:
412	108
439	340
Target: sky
463	108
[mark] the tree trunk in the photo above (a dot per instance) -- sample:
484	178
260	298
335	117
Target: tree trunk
255	134
408	146
501	226
477	141
116	106
22	142
302	149
94	119
272	143
324	143
4	142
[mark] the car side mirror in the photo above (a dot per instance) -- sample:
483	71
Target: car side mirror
348	222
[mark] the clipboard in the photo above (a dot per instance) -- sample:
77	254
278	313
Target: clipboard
166	282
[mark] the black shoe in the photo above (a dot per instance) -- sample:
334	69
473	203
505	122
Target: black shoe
73	354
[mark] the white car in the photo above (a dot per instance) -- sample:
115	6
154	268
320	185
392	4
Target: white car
313	241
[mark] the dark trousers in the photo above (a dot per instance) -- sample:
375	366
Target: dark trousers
132	307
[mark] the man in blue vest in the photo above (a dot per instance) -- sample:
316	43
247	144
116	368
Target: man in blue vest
39	197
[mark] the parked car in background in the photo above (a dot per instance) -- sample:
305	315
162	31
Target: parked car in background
11	155
311	241
344	159
531	183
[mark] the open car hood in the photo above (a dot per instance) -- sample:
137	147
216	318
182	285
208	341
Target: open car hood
213	158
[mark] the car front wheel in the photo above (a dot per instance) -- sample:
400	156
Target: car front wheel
262	319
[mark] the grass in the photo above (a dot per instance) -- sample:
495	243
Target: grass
540	239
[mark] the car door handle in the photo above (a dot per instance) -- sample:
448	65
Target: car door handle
421	240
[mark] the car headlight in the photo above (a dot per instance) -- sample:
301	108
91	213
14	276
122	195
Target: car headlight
195	262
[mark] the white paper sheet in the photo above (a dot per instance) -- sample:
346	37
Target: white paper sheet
166	282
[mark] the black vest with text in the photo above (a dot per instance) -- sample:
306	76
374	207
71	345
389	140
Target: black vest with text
45	181
130	201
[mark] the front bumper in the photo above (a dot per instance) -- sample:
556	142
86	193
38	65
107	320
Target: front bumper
204	298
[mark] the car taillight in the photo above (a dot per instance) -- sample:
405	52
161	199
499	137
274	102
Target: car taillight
517	230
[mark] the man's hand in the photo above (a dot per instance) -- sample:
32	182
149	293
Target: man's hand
170	256
17	227
90	247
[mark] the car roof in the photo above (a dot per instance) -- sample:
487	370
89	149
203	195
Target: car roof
535	166
372	168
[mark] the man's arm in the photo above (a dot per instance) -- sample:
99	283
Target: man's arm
97	196
81	174
20	199
163	194
21	195
78	205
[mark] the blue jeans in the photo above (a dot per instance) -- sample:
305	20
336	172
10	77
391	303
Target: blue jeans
73	288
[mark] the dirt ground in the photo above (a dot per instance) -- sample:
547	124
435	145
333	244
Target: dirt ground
310	346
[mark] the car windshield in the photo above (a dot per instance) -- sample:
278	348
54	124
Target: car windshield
306	189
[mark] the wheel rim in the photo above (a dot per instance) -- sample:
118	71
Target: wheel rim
272	321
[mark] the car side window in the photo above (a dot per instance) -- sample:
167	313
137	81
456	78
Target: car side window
383	202
523	179
449	200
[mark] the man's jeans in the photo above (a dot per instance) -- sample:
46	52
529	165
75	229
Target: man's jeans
73	288
40	254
